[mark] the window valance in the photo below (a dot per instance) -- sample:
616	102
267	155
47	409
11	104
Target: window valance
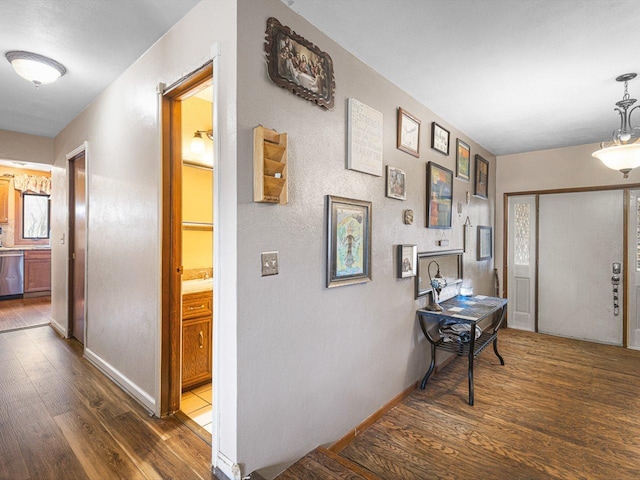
32	183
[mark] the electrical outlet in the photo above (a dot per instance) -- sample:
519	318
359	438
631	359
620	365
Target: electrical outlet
269	262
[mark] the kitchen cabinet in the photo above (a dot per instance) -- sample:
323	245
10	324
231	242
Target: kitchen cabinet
37	271
4	200
197	320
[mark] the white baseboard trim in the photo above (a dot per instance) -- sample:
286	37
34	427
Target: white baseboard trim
122	381
60	330
228	468
516	327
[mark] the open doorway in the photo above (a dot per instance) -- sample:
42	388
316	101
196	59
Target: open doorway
187	312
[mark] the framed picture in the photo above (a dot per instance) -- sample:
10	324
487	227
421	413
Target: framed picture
348	242
485	241
439	196
408	133
463	160
407	260
364	138
481	184
298	65
396	183
439	138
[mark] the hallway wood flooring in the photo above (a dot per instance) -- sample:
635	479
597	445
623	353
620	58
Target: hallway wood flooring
559	409
61	418
18	313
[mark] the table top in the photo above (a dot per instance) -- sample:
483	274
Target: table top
467	309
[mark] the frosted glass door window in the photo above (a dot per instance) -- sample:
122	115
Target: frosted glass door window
35	216
522	233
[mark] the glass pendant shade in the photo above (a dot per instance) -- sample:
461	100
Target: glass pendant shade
35	68
620	157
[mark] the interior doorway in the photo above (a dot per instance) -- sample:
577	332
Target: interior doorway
187	264
77	245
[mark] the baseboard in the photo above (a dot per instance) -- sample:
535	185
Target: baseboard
59	329
127	385
371	419
226	469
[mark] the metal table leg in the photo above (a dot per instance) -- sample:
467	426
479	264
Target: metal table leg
431	367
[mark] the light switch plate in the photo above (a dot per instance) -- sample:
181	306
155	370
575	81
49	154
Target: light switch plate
269	262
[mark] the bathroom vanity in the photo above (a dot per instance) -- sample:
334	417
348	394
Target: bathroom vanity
197	322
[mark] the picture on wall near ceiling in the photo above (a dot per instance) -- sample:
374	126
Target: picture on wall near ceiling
396	183
407	260
439	196
364	138
298	65
439	138
408	133
348	242
463	160
481	183
485	240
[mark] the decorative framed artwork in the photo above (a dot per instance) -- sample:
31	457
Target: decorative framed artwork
463	160
481	183
296	64
408	133
439	138
348	241
407	260
485	243
439	196
396	183
364	138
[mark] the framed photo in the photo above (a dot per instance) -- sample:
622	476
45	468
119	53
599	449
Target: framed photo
396	183
485	243
364	138
463	160
481	183
298	65
408	133
348	242
439	138
407	260
439	196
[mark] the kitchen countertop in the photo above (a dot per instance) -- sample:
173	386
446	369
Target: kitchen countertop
25	247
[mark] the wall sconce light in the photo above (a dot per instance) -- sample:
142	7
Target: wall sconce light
437	284
197	142
35	68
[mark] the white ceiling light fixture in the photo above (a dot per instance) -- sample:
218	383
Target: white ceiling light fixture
197	143
623	151
36	68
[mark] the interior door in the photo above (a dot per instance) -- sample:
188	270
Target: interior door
633	269
580	237
77	245
521	262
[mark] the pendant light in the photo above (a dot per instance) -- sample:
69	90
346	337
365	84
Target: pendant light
623	151
35	68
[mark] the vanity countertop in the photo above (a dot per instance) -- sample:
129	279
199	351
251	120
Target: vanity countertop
198	285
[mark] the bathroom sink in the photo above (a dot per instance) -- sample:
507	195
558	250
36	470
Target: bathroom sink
198	285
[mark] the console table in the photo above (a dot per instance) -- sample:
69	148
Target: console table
486	312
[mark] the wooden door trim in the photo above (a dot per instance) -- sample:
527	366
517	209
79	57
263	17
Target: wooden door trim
170	361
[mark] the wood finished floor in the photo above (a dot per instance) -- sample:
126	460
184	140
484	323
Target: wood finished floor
21	313
559	409
60	418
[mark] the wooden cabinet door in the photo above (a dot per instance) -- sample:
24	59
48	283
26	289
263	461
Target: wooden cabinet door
196	352
4	201
37	271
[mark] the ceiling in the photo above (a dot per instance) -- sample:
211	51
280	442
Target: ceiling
513	75
96	40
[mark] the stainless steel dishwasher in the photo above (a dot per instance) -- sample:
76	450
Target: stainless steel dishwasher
11	273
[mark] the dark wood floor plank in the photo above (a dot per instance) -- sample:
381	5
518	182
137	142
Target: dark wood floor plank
24	313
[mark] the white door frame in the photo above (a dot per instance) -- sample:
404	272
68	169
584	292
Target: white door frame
633	272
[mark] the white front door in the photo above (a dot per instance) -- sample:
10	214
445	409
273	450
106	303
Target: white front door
521	262
633	268
580	237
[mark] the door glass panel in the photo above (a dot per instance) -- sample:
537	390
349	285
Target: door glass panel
522	233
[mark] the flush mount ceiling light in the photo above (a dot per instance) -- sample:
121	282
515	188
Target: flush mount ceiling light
197	143
623	151
35	68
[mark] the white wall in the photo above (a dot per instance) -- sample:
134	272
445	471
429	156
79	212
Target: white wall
558	168
315	362
124	179
23	147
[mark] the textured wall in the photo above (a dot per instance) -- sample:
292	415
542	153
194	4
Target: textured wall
314	362
26	148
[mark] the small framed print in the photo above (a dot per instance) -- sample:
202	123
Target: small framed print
439	138
485	241
407	260
481	183
439	196
396	183
463	160
408	133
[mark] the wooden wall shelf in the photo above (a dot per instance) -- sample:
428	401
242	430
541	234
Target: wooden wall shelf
270	180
